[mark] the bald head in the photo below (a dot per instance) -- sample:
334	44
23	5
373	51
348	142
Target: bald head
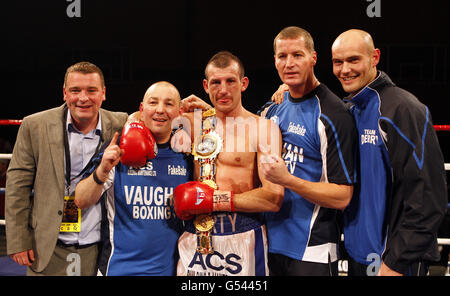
163	87
355	60
362	38
161	104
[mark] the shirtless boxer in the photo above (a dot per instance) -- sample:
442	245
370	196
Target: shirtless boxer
232	240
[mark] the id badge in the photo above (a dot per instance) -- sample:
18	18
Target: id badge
71	221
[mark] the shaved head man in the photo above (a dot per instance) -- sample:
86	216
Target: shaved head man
400	198
124	185
161	104
355	60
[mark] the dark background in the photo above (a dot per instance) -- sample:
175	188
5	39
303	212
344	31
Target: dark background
137	43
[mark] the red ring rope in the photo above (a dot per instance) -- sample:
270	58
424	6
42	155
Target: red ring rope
10	122
442	127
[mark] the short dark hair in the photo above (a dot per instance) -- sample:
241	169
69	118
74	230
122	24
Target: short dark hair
85	68
294	32
223	59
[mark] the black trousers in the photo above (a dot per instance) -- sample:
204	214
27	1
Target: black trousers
280	265
358	269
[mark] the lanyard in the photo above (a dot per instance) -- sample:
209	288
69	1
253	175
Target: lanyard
67	152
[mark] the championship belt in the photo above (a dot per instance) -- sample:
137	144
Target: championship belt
203	228
205	149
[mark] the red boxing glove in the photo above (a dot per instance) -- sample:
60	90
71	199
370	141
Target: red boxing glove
138	144
195	197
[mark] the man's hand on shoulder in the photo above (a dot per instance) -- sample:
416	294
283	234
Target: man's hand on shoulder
278	96
192	102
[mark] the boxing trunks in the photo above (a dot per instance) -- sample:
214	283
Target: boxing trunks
240	247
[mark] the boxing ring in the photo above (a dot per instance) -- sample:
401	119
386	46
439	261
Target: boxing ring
13	122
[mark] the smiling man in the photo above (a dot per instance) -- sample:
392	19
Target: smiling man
45	231
141	229
161	104
401	195
355	63
84	94
317	165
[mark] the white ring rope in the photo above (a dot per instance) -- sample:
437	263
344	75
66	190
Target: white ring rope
5	155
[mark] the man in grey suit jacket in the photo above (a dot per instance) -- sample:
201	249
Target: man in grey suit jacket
43	230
